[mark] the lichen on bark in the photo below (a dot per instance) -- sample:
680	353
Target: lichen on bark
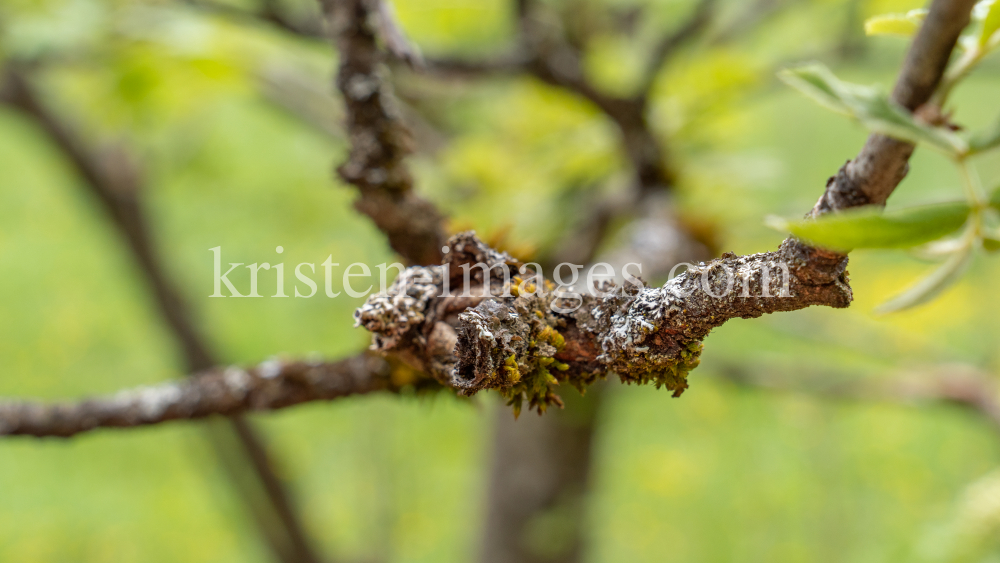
523	336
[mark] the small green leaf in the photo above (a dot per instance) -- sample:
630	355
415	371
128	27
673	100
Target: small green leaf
905	25
995	198
986	139
818	83
891	24
991	23
884	116
928	288
991	243
870	227
872	107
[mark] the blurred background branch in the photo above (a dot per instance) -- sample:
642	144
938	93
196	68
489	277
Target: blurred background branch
230	392
113	177
957	385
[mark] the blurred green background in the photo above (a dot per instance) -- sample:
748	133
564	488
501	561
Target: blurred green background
723	474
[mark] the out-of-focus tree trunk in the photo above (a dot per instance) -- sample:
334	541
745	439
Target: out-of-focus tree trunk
539	480
852	45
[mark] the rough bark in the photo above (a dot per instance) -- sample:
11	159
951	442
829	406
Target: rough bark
379	141
511	340
541	465
539	446
871	177
643	334
520	345
271	385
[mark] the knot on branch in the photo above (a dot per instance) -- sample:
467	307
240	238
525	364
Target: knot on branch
390	316
511	344
473	324
416	317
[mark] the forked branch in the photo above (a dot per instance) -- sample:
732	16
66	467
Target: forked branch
525	336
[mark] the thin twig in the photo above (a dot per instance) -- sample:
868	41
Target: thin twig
115	181
669	44
271	14
274	384
379	140
871	177
958	385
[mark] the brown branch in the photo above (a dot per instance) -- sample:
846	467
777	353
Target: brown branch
644	334
379	141
271	14
961	386
115	181
747	20
883	162
304	98
499	65
669	44
271	385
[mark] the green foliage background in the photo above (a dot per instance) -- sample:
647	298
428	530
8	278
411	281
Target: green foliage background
723	474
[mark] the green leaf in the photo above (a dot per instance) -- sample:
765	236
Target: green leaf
931	286
991	243
991	23
885	116
870	227
986	139
905	25
872	107
995	198
817	82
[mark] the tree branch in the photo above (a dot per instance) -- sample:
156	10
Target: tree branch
882	164
509	342
271	14
379	141
670	43
115	181
962	386
644	334
271	385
